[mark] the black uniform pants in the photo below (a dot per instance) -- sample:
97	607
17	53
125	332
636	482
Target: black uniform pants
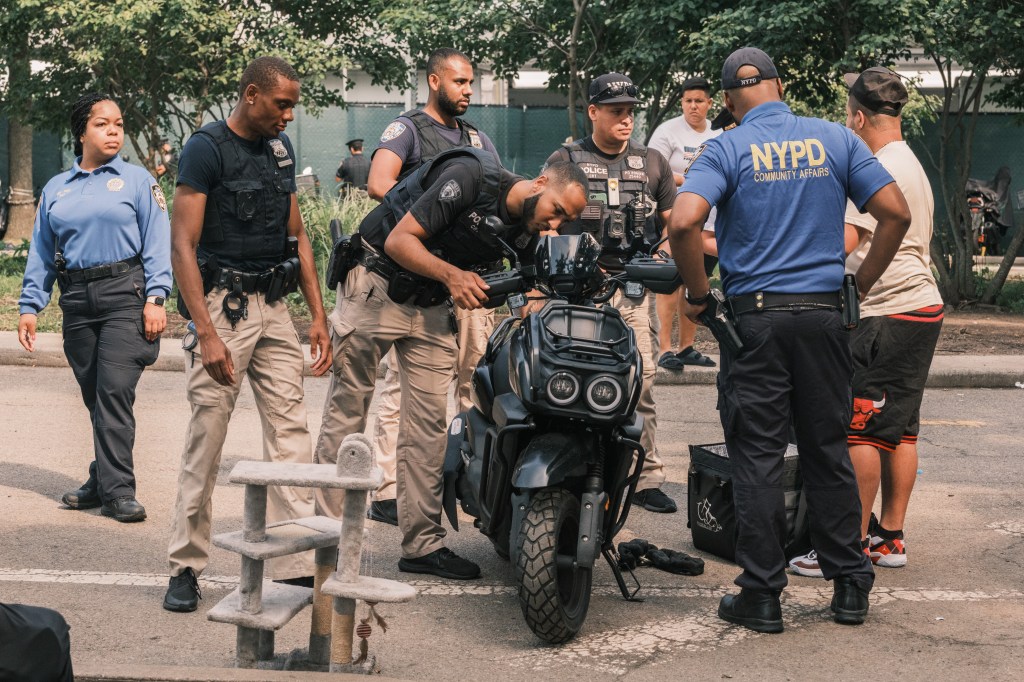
105	344
794	364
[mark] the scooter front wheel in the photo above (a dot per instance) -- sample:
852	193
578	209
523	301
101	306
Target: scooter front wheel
554	592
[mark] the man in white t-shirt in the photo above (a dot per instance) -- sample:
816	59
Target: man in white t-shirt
678	140
901	317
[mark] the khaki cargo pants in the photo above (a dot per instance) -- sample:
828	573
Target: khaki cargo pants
639	314
475	327
264	347
365	325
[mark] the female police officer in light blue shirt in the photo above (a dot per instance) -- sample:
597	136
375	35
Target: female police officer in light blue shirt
101	232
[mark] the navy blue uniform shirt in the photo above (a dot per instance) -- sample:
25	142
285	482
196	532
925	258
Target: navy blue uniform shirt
780	183
110	214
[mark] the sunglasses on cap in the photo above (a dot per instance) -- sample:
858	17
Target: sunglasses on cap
616	90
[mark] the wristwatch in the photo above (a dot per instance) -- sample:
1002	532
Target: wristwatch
700	300
155	300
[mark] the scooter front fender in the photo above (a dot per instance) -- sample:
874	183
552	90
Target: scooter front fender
547	460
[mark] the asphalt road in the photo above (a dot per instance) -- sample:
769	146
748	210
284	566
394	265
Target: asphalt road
956	611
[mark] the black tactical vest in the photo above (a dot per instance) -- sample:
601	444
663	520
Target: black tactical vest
246	219
431	142
462	244
613	185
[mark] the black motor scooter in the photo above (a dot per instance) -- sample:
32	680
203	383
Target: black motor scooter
548	458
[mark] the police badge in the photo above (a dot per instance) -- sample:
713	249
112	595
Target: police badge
158	196
450	191
392	131
115	184
280	152
635	161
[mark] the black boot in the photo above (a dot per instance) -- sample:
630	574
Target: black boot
758	610
850	601
183	592
385	511
86	497
125	509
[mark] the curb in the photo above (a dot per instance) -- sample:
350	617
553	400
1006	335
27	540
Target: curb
947	371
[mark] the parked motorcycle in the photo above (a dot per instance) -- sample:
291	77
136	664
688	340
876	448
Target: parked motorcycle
549	457
991	214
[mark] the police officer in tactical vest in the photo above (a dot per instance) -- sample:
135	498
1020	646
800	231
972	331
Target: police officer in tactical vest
238	247
413	257
412	138
631	189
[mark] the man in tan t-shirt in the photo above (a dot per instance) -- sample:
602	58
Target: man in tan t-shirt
900	321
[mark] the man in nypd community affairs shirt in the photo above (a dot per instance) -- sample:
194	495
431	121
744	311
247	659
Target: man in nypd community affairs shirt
780	184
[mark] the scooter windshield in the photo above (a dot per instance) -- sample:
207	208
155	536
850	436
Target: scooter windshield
566	262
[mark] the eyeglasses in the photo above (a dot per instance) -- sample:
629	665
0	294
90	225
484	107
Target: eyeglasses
616	90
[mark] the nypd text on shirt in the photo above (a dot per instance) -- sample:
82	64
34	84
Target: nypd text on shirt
788	160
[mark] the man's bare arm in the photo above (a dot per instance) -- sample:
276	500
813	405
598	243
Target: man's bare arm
384	170
889	207
186	228
309	283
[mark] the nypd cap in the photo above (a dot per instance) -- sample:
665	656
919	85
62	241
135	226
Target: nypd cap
747	56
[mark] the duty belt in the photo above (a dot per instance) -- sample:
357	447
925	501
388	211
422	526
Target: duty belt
763	300
378	263
249	282
105	271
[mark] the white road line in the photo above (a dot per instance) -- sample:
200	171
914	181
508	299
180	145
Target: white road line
794	594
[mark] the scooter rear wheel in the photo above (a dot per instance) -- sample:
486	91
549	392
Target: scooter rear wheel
554	592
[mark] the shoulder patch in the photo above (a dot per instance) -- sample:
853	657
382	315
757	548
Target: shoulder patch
450	191
392	131
696	155
158	196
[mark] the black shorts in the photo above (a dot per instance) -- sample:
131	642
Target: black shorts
891	357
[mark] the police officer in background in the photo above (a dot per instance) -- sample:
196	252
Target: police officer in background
780	183
623	174
397	294
355	170
412	138
239	245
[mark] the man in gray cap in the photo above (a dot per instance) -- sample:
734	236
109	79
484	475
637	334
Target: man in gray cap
619	171
900	321
780	184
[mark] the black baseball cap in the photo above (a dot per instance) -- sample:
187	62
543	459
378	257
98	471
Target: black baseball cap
612	88
696	84
878	89
747	56
356	141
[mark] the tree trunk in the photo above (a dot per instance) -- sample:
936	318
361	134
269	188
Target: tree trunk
22	200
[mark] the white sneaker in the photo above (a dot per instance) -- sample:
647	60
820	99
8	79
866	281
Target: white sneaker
806	565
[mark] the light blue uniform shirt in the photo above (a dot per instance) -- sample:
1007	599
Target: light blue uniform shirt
780	183
110	214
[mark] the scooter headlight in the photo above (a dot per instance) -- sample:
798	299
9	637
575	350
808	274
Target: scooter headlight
563	388
604	394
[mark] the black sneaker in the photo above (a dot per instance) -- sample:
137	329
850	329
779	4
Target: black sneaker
183	593
442	562
385	511
86	497
757	610
850	601
125	509
653	499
